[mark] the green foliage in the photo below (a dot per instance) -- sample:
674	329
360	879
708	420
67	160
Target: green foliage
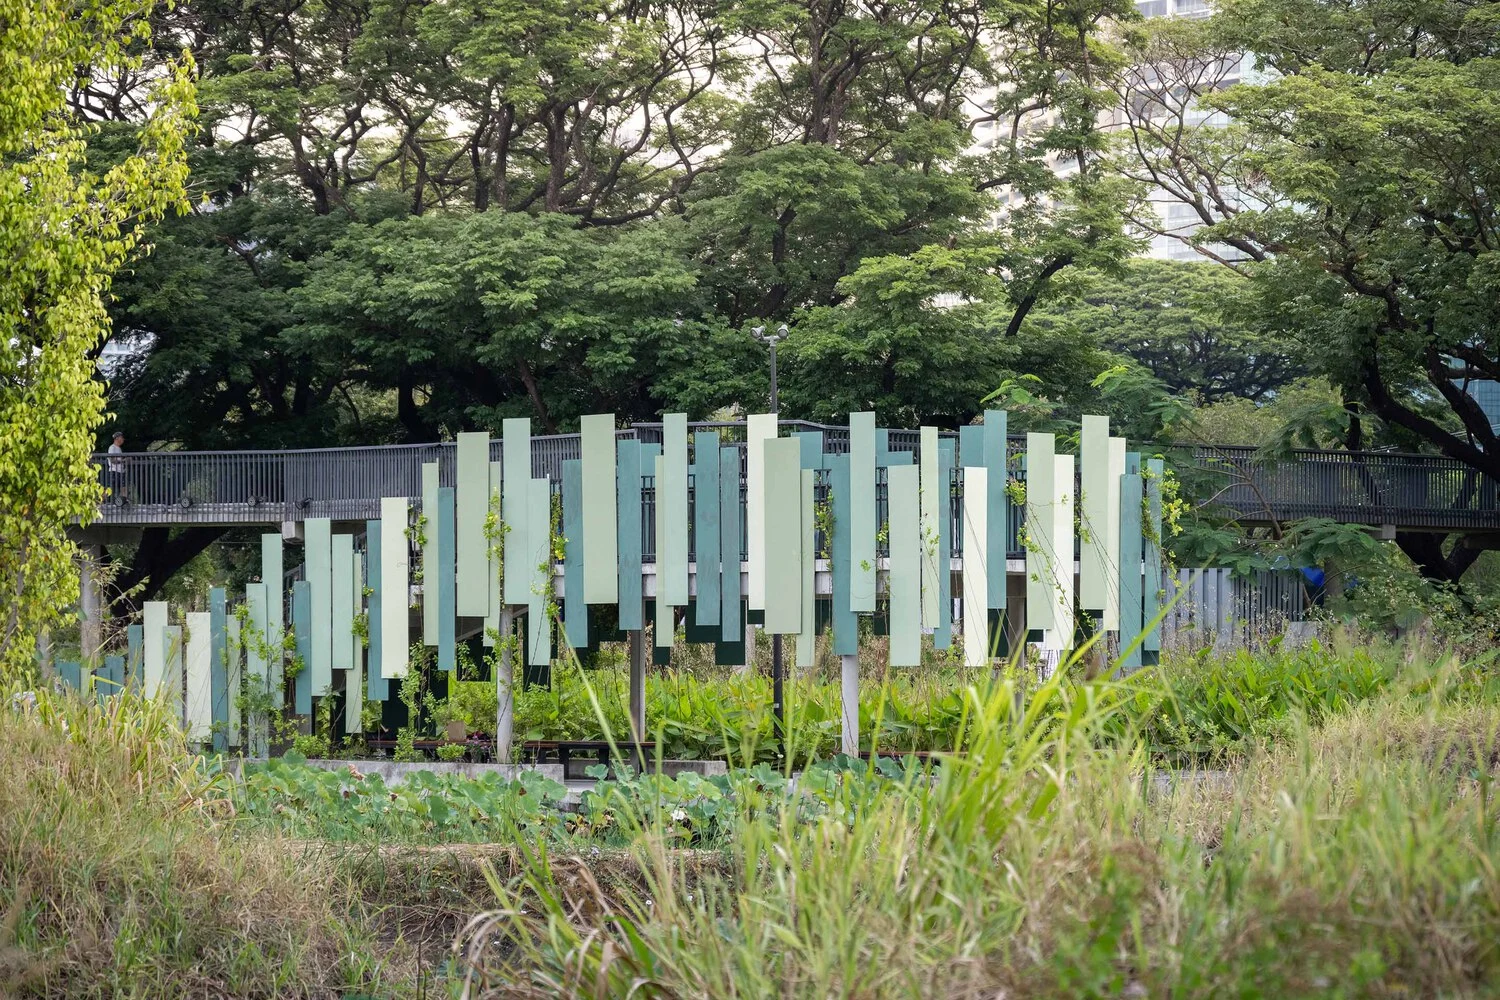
70	221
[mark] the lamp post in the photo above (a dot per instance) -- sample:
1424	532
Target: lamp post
778	671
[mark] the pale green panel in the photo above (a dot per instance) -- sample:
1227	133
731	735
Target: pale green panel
471	500
671	496
343	602
429	553
492	549
932	496
255	664
1095	564
355	702
318	534
153	648
234	673
664	630
539	579
170	692
198	714
520	564
1041	474
783	534
759	427
1112	532
273	575
601	552
976	571
903	490
807	637
1063	601
395	590
861	509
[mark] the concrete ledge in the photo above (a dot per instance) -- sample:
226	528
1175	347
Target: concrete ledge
395	772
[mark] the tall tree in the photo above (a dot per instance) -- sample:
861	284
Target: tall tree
69	221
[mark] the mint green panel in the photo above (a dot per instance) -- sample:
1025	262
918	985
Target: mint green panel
601	577
1096	556
998	519
429	554
538	579
343	602
783	543
153	652
472	478
1151	594
272	574
171	688
255	662
1041	475
492	555
665	631
861	507
807	636
354	703
1131	494
903	488
318	533
932	497
672	500
395	574
520	564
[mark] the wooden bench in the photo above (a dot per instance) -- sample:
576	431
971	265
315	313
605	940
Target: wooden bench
576	756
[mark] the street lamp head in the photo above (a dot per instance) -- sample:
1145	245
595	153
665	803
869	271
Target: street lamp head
782	331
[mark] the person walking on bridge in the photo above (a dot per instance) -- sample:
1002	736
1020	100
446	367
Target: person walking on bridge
115	467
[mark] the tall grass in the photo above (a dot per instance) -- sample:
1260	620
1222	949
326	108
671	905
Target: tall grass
118	880
1359	859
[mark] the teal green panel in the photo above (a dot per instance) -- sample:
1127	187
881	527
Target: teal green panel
447	599
539	578
997	516
343	602
782	505
861	513
599	557
731	612
255	622
429	552
671	499
931	501
515	456
302	628
493	549
154	657
943	635
706	527
319	556
805	636
628	500
812	448
70	672
273	574
218	665
662	608
133	669
471	503
377	686
1151	592
575	609
845	621
905	577
1130	568
1095	561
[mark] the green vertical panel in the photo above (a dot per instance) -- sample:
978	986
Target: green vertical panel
516	458
903	489
429	553
273	575
628	503
781	505
218	664
1041	473
943	635
492	548
861	508
1151	589
671	499
134	642
255	623
377	688
600	555
1096	574
1130	571
539	578
395	576
342	629
840	548
302	628
662	612
1112	530
197	660
447	599
318	534
471	500
932	493
70	672
805	635
730	615
154	653
997	520
171	687
975	508
706	526
114	672
575	610
759	427
1064	599
812	448
355	684
235	672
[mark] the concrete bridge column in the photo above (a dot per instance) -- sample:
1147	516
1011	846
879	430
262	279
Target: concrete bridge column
505	679
849	702
637	686
91	602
